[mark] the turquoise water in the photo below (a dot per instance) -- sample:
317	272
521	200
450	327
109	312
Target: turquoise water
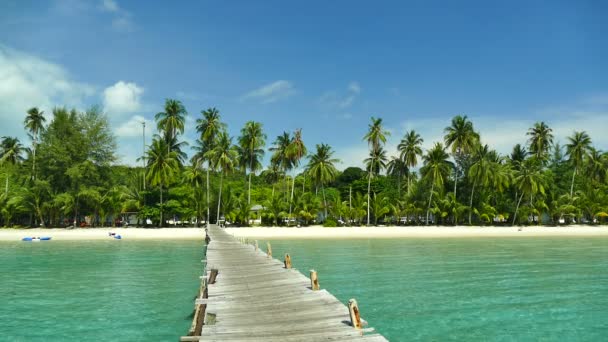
483	289
97	290
508	289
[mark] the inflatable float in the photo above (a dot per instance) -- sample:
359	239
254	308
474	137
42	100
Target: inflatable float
115	236
32	238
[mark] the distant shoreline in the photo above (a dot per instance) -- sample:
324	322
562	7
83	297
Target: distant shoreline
313	232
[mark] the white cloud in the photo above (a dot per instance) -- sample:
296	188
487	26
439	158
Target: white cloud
27	81
121	20
122	97
341	100
272	92
134	128
110	6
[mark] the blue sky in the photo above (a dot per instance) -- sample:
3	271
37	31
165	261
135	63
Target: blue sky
323	66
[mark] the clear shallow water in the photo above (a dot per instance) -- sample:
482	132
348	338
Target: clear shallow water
484	289
97	290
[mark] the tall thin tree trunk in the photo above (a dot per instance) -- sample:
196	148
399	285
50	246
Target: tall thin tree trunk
471	201
517	208
428	209
293	185
572	183
6	187
161	223
324	201
369	186
219	200
249	191
455	180
34	160
208	203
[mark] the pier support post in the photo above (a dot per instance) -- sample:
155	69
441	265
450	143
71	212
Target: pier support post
287	261
355	317
212	276
269	249
314	281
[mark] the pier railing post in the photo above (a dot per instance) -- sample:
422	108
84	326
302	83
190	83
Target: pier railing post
212	276
287	261
314	281
269	249
355	316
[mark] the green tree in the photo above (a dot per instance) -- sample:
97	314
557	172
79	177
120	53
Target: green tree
34	124
461	137
162	167
397	168
410	148
321	168
11	154
223	157
480	171
281	156
528	179
436	168
579	145
375	137
171	121
252	141
295	151
541	138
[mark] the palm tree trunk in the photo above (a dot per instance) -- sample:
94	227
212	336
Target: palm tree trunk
303	182
160	224
293	185
471	201
219	200
428	209
208	204
34	159
272	190
455	181
249	190
572	183
324	200
369	187
517	208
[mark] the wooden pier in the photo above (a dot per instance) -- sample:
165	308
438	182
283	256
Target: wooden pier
246	295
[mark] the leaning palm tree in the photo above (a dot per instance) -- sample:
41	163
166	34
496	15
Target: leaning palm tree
322	169
223	157
436	168
208	127
296	151
462	139
171	121
11	152
410	149
540	140
577	149
375	137
252	141
162	167
528	180
34	124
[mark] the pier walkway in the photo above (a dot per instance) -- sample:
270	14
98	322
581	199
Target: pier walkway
246	295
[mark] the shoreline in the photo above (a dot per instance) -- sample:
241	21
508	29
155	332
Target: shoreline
312	232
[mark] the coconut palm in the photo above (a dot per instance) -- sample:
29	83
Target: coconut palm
171	121
34	124
436	168
480	171
223	157
461	137
528	180
541	138
11	152
252	141
296	151
377	161
375	137
397	168
579	145
162	166
410	149
321	168
595	165
281	156
209	126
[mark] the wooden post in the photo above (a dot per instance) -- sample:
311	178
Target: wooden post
212	276
269	249
256	245
314	281
287	261
355	317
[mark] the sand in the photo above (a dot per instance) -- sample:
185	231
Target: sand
314	232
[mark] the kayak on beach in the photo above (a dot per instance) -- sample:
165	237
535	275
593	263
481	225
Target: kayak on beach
35	238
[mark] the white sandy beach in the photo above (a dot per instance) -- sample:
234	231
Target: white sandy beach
314	232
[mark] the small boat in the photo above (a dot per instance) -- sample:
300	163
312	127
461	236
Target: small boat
32	239
117	237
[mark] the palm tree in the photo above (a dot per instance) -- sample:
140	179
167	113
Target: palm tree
462	139
436	167
252	141
480	171
410	148
162	167
528	179
171	121
377	161
375	137
322	169
208	127
223	157
194	177
540	140
397	167
281	155
577	149
34	123
296	151
11	152
595	165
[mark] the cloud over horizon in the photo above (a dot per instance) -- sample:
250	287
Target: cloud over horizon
270	93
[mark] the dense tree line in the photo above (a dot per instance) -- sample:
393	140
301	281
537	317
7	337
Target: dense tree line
69	176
